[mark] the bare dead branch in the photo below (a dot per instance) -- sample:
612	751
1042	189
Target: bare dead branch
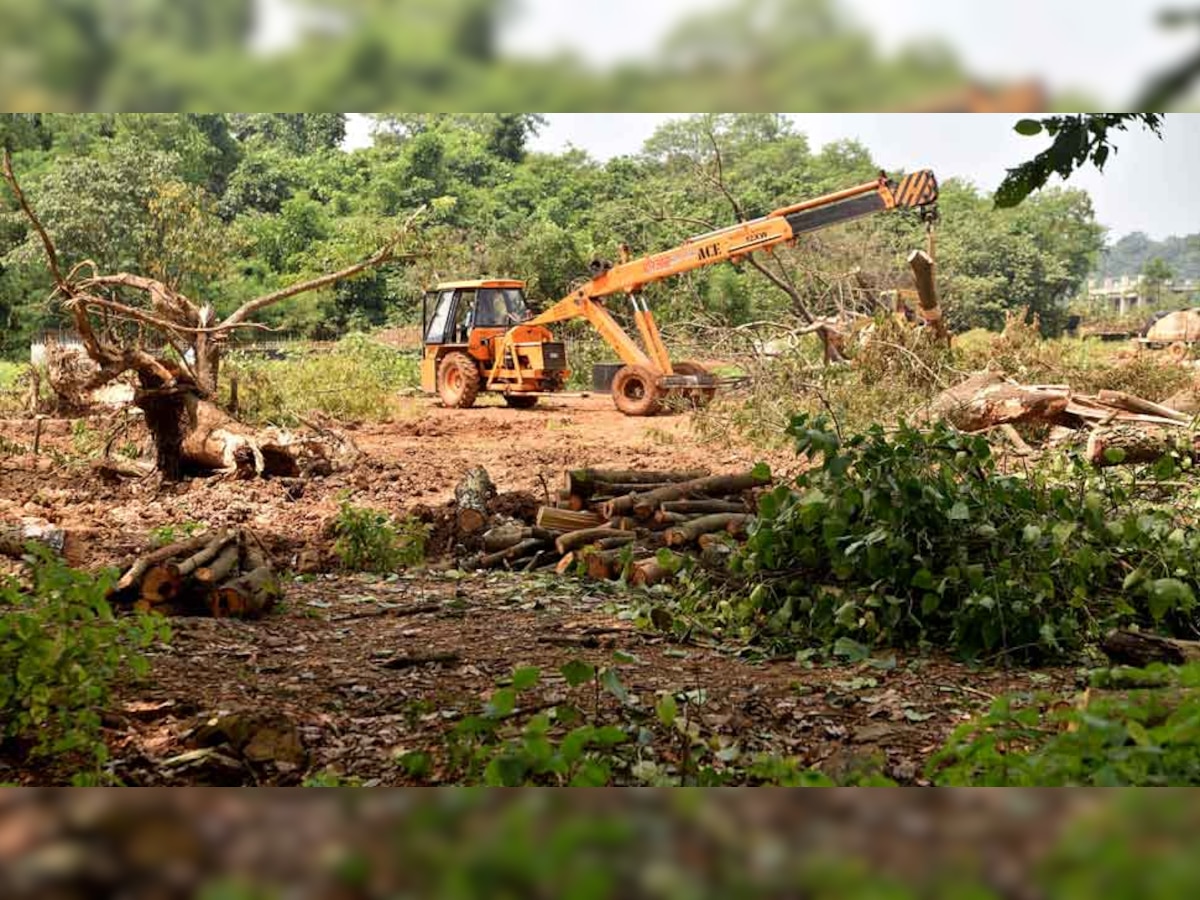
384	254
51	254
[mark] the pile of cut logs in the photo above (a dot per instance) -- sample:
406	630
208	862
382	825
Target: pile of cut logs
224	574
608	523
1119	427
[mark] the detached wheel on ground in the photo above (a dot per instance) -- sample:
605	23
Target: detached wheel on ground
695	398
458	381
521	401
635	391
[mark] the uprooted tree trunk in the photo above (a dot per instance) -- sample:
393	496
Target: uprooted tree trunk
188	429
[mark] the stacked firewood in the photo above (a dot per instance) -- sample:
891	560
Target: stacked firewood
613	523
222	574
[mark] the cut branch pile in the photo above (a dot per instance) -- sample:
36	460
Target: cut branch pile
224	575
612	523
1120	427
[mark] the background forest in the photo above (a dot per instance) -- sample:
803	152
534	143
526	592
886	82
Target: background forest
227	206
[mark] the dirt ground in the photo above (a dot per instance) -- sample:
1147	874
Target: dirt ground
322	670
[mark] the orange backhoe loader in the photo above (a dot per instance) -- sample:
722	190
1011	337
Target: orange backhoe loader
481	336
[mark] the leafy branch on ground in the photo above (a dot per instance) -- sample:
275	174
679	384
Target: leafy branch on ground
1136	728
917	538
61	651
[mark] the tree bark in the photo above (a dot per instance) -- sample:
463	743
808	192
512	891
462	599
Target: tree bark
704	507
643	505
688	532
585	482
1140	649
649	572
574	540
922	266
474	495
1133	444
986	400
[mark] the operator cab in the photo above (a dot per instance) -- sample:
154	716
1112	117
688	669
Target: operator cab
460	307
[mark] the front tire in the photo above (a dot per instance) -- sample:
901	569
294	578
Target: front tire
635	391
458	381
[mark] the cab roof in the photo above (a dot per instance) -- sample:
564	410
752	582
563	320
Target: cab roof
479	283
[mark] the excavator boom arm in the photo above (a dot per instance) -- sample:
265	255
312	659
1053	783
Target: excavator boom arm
918	190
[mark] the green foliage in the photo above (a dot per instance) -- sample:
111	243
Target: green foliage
507	744
918	537
61	650
9	372
355	381
1147	736
163	535
368	540
1077	140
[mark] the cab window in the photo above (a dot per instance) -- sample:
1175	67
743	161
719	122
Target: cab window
463	317
436	332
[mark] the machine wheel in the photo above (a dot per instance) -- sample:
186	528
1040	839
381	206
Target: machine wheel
635	391
521	401
458	381
699	398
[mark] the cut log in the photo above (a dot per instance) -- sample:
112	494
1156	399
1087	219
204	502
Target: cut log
250	596
1138	405
690	531
66	543
222	567
649	572
1126	444
574	540
565	564
612	543
567	520
517	551
473	497
586	482
603	565
215	441
205	555
662	517
704	507
713	538
541	560
497	539
143	563
161	583
986	400
643	505
1136	648
923	267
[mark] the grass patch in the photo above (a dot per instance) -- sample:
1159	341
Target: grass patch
357	381
9	372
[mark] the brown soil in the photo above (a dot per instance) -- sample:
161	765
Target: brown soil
318	664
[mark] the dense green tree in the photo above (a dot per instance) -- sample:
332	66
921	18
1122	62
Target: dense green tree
230	207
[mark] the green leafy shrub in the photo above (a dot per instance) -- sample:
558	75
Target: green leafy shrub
1145	737
61	649
369	540
918	537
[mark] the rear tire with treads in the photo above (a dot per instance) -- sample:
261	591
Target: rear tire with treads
635	391
458	381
